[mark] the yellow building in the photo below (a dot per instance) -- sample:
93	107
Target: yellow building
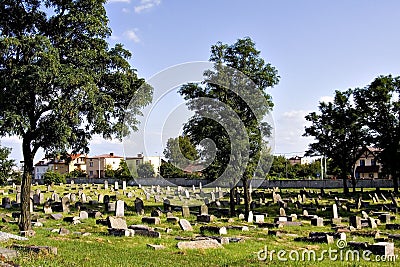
96	165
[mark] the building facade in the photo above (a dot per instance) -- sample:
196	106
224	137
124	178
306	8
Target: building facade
367	166
97	165
134	162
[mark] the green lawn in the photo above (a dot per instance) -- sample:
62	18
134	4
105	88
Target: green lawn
100	249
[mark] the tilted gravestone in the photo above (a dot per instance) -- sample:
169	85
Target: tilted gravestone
185	225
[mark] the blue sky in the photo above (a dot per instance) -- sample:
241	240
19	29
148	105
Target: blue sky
317	47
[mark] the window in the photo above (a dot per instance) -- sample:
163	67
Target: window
137	162
362	162
91	173
371	175
91	164
373	162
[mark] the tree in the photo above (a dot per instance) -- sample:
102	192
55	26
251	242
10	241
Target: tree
123	172
109	172
60	82
380	103
145	170
6	165
180	151
168	170
77	173
241	140
339	134
52	177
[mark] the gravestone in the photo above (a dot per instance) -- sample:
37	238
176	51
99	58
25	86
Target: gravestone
116	186
105	184
317	221
47	208
139	206
65	204
185	225
72	197
259	218
55	197
355	221
282	212
203	209
250	217
335	211
185	211
106	199
18	198
116	222
36	199
119	208
123	185
83	198
83	215
187	194
100	198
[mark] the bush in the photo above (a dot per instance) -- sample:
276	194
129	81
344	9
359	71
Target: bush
51	177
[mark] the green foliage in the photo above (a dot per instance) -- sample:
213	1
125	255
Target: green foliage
244	57
109	172
52	177
145	170
123	172
76	174
339	134
60	81
6	165
380	105
180	151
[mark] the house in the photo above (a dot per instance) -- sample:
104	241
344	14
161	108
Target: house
40	169
77	162
96	165
134	162
367	165
194	169
60	165
299	160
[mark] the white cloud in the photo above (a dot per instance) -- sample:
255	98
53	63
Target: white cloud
119	1
125	10
326	99
289	130
146	4
131	35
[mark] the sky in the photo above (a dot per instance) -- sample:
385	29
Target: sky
316	46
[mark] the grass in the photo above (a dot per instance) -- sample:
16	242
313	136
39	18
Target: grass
99	249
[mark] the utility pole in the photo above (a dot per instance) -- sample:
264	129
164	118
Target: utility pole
322	168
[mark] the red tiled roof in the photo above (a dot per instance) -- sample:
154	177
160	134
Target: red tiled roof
105	156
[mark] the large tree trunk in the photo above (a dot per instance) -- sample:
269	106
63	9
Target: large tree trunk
353	183
345	187
246	198
25	220
232	200
395	182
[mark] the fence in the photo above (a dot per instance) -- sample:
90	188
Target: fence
361	183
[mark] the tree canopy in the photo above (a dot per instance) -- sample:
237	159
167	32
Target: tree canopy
6	165
224	112
60	82
339	134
